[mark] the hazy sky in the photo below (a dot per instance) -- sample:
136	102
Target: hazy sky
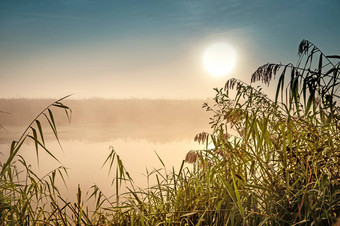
149	49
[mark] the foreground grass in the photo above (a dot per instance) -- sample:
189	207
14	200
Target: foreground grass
274	162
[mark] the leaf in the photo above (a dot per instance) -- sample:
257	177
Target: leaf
43	146
52	118
202	217
296	92
280	84
12	147
311	98
68	111
62	175
180	170
304	90
16	146
160	159
333	56
121	169
159	187
189	214
35	138
52	125
111	157
40	131
320	65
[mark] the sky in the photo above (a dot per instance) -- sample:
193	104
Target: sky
149	49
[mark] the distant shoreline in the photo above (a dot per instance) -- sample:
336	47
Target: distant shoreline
105	119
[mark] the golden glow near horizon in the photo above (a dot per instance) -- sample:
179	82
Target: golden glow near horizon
219	59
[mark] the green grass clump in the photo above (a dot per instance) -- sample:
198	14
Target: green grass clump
273	162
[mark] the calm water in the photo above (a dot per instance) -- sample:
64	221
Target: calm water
86	144
84	160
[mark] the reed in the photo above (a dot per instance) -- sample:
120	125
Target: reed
273	162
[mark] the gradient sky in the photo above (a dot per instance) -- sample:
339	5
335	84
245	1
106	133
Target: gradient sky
149	49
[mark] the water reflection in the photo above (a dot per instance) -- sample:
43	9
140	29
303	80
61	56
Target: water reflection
84	161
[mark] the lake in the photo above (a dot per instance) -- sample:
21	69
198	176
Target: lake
136	129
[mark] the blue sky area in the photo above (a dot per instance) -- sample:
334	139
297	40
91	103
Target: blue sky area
149	49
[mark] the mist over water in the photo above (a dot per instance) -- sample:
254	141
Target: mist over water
102	120
136	129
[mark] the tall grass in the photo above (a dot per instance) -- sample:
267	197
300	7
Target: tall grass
273	162
24	196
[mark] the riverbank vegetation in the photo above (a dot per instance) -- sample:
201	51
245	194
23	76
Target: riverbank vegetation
266	162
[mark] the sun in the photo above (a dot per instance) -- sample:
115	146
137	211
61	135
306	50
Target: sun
219	59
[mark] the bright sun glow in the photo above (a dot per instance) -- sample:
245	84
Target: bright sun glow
219	59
